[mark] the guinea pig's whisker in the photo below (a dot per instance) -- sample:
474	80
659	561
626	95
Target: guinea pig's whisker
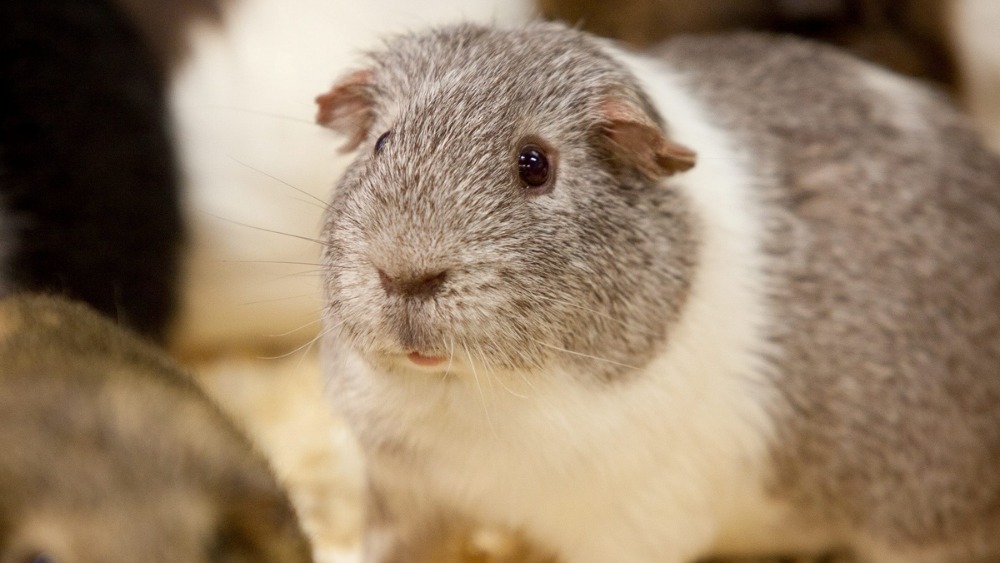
313	200
278	299
305	347
519	372
262	113
306	273
297	329
266	230
588	356
482	396
500	379
451	357
488	374
285	262
319	336
595	312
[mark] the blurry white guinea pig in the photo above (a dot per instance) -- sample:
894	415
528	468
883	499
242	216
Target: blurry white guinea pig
735	296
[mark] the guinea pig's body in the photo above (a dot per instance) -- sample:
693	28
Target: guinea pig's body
791	347
111	453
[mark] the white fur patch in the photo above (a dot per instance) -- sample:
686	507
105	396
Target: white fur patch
664	467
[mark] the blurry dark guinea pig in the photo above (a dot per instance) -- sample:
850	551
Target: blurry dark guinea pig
111	453
89	199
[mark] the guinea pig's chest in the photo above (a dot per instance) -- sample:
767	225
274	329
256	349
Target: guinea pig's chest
493	447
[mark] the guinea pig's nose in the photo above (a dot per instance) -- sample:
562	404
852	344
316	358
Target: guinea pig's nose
420	285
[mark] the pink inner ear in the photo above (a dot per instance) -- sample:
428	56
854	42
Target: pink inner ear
347	108
638	139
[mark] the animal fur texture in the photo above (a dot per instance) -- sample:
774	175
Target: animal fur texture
111	453
791	347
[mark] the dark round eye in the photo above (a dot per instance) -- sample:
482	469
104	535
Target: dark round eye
39	557
381	141
533	166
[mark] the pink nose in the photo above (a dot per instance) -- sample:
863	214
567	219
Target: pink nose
421	285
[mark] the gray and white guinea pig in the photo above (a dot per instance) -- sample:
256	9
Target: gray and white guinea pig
110	453
739	295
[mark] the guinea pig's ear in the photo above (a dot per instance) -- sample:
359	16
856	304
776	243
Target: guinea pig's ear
635	136
348	108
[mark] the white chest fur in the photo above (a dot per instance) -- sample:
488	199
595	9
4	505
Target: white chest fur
663	467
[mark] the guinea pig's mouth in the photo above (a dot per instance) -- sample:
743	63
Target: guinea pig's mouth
421	360
414	362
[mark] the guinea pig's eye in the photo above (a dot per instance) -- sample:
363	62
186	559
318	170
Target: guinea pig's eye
39	557
533	167
381	141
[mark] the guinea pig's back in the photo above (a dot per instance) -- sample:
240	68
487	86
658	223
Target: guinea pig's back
882	222
93	417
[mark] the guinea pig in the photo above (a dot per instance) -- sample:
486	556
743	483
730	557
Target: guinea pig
90	205
732	296
111	453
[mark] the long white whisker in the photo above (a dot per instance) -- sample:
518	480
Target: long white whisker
282	262
303	273
279	116
475	376
319	336
492	371
451	357
256	228
322	204
588	356
594	311
305	346
519	372
487	374
277	299
297	329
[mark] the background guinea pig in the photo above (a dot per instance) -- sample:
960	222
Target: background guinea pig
111	453
89	188
736	296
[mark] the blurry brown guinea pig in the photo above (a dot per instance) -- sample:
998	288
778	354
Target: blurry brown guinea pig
111	453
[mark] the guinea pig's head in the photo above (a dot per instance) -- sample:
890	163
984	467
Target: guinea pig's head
509	207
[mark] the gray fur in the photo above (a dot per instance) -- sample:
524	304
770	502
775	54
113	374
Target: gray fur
443	195
886	251
882	239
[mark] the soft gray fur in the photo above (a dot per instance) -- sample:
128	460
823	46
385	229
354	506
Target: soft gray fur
569	264
886	251
882	243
